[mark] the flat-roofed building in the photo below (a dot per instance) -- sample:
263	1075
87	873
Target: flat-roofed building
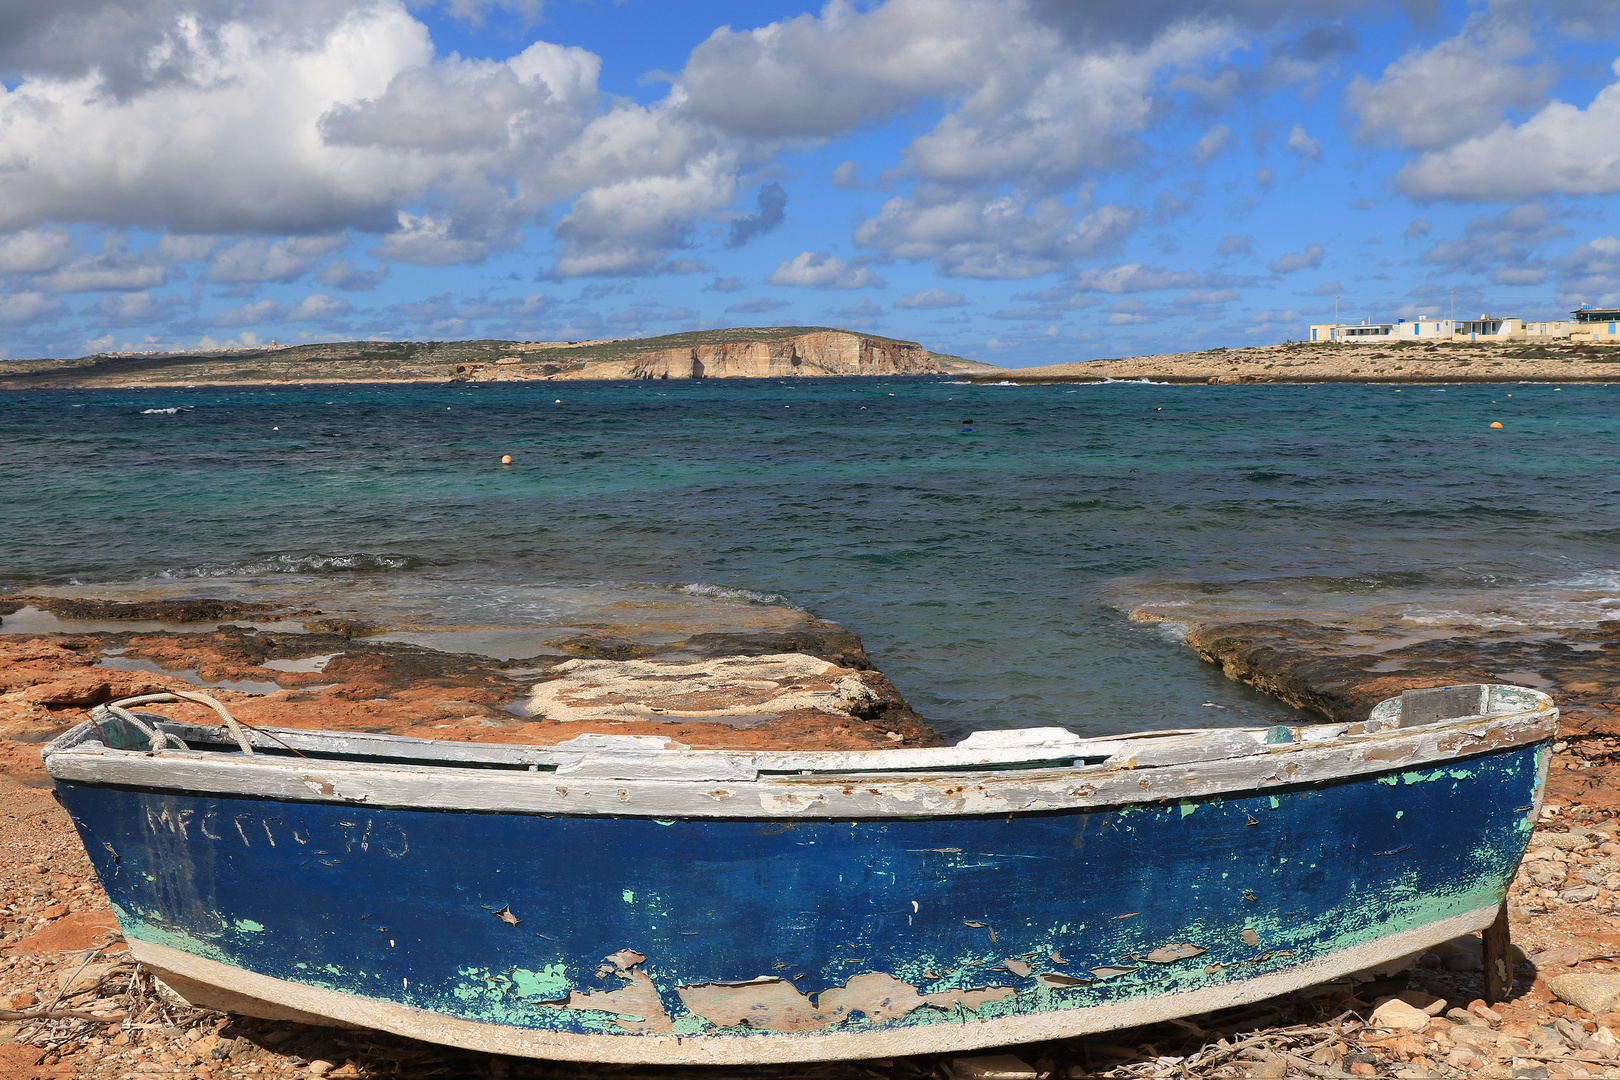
1425	328
1555	328
1489	326
1598	325
1365	333
1353	334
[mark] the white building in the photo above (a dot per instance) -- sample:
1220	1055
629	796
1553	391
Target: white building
1365	333
1597	325
1489	326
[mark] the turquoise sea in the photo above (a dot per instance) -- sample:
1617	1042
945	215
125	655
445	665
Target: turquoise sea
991	573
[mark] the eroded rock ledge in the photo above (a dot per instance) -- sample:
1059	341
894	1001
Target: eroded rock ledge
1343	670
809	686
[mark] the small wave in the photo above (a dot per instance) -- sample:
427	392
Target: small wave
301	564
728	592
1143	381
170	411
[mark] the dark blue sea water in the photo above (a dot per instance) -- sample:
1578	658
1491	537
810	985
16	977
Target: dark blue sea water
991	574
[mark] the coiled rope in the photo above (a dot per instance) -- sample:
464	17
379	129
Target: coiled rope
161	739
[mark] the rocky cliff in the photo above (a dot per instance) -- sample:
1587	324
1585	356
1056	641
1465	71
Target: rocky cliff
822	352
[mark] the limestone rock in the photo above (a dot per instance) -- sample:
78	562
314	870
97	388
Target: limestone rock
1556	958
1396	1013
1567	841
1590	990
737	690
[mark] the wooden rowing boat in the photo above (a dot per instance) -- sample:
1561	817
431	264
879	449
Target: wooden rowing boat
622	899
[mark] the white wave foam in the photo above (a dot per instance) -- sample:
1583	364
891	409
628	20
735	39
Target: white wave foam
297	564
160	412
728	592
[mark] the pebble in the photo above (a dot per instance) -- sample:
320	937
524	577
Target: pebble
1430	1004
1478	1037
1570	841
1556	958
1396	1013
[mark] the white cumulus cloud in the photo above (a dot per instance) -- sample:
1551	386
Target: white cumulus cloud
819	270
931	300
1433	98
1561	149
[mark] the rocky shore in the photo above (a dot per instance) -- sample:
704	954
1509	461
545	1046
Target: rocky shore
1304	362
72	1006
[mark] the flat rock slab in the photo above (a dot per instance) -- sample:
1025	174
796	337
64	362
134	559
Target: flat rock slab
741	691
1593	991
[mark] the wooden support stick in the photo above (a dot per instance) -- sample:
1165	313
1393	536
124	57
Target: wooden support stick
1498	958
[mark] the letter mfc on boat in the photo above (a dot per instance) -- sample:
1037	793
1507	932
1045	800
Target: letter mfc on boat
622	899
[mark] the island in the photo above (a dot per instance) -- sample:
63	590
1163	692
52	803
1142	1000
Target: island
752	352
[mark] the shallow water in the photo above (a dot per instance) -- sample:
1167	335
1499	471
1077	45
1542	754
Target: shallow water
989	573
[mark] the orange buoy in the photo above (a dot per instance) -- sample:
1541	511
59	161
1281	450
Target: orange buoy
506	459
1496	423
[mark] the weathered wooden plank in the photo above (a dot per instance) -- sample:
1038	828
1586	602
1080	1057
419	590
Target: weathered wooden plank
813	795
1498	956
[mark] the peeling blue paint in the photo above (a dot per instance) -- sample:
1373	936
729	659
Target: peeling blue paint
939	903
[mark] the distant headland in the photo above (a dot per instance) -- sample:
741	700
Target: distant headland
768	352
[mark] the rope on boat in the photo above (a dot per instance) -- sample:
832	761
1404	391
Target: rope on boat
159	737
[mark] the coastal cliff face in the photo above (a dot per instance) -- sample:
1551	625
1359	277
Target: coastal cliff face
819	353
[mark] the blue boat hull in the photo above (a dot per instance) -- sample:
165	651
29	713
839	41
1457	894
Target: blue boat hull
632	939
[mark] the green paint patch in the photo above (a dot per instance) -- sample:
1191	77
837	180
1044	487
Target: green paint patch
629	896
1275	804
1188	807
550	983
248	926
1421	777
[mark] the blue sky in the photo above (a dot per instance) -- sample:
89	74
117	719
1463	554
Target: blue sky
1018	181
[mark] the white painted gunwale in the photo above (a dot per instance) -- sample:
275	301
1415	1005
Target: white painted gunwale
664	783
222	986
